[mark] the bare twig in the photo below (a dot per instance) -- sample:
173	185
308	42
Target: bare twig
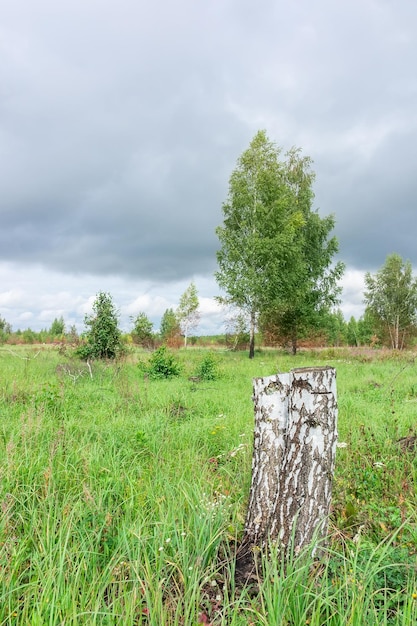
89	368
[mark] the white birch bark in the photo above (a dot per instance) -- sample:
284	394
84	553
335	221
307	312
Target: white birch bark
302	508
270	396
293	458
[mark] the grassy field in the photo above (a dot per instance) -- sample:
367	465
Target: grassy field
122	497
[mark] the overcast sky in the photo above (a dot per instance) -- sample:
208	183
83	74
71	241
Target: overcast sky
121	122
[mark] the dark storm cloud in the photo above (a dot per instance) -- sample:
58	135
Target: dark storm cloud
120	124
112	162
373	200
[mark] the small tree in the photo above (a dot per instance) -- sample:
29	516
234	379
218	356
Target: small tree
170	329
72	334
162	364
208	369
352	332
188	314
5	330
58	327
142	333
103	337
370	329
334	328
29	336
391	297
366	331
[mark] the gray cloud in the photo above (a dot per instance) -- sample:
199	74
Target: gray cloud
120	124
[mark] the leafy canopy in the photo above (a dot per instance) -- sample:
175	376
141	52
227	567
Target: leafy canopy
57	327
142	333
275	253
187	313
103	337
391	296
5	329
253	225
169	328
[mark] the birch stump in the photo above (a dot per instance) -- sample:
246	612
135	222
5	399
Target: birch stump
293	459
271	400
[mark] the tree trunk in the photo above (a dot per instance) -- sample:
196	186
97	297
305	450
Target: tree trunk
270	395
294	341
252	335
397	333
293	458
301	511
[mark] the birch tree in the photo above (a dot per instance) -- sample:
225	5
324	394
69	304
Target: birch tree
276	254
313	282
391	296
187	312
256	228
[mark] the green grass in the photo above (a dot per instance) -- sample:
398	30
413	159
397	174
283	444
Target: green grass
119	494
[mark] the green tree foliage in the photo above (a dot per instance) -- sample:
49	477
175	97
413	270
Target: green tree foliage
352	332
5	327
334	328
72	335
310	278
208	369
142	333
58	327
237	329
255	195
391	296
5	330
187	313
275	252
29	336
363	332
103	337
162	364
170	329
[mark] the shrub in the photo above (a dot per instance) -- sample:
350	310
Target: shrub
162	364
208	368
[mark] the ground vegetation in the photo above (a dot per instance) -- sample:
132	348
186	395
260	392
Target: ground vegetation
123	497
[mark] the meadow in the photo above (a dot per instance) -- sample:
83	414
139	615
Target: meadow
123	498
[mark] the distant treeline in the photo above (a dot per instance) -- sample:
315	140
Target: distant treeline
332	330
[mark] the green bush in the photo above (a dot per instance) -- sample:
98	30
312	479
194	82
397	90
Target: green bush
162	364
208	368
103	337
